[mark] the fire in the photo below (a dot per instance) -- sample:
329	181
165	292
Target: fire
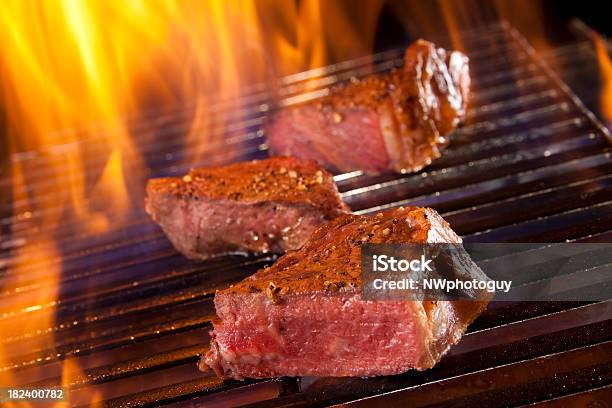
72	371
32	317
69	64
56	79
99	69
78	78
605	69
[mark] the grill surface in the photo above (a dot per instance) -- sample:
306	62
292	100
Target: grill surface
530	165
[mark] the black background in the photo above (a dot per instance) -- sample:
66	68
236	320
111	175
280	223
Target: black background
399	24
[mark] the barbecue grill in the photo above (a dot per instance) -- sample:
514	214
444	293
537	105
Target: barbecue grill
531	164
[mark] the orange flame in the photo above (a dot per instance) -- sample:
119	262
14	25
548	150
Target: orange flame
69	64
605	69
101	66
31	319
71	67
56	77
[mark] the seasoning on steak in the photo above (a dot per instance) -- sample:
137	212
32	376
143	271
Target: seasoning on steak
258	206
398	121
304	315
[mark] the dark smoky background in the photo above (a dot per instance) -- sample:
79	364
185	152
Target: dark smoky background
540	21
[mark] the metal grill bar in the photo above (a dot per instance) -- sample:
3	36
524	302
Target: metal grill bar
348	192
510	175
575	369
259	111
477	147
233	105
255	143
587	398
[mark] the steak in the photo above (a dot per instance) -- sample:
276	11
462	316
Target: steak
305	316
398	121
259	206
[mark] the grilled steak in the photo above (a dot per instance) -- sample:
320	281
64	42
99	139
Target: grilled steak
398	121
304	315
259	206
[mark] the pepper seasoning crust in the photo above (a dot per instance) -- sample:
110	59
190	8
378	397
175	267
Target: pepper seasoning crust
278	179
330	261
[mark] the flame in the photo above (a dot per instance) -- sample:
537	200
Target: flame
97	68
57	78
69	64
605	69
71	372
31	320
72	68
270	39
101	68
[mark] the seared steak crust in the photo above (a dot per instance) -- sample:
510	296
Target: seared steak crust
304	315
259	206
398	121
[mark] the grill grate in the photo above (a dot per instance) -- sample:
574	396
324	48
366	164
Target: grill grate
531	165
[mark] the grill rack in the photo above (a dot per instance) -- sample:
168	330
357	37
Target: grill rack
136	314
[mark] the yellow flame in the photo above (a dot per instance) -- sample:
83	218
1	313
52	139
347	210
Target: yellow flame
95	67
64	67
68	63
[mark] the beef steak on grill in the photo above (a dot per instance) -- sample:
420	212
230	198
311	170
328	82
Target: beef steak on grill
304	315
398	121
258	206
